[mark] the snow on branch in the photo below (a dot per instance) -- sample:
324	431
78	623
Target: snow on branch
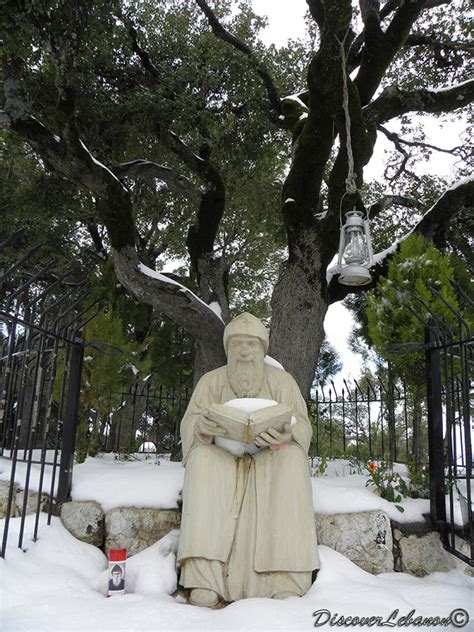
154	274
166	294
175	181
435	221
432	227
394	102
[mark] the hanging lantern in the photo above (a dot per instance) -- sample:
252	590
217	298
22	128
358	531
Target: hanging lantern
355	251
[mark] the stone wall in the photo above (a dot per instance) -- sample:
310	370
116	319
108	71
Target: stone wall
369	538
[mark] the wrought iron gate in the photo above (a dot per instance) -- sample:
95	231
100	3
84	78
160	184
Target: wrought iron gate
41	350
450	358
449	354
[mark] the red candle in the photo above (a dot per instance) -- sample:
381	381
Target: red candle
117	559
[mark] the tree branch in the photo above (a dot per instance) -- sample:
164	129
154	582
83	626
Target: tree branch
179	147
391	200
394	102
96	238
137	49
432	227
175	300
380	48
211	272
395	138
176	182
435	221
420	39
317	12
221	33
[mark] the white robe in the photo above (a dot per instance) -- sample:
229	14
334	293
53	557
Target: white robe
247	523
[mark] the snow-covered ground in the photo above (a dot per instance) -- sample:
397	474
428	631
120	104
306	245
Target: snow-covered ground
59	583
149	481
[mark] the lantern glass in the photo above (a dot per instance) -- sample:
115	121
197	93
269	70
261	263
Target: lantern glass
355	251
355	246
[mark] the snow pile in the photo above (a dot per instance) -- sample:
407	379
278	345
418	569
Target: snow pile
150	572
137	483
157	482
349	494
59	584
35	471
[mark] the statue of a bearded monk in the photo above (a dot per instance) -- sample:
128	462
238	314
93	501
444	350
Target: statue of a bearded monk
247	523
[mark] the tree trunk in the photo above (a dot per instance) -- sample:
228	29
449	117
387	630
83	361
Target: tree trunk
297	331
207	358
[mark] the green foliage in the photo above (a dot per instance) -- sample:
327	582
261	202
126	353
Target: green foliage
412	271
114	371
386	482
205	90
329	363
418	485
321	466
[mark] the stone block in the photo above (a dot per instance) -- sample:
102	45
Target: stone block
423	555
85	520
365	538
4	491
137	528
31	503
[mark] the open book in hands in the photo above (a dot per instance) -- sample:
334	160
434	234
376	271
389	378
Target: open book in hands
244	427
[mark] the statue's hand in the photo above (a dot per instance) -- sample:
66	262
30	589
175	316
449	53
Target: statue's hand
273	439
208	427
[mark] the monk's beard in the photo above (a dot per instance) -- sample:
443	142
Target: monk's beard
245	378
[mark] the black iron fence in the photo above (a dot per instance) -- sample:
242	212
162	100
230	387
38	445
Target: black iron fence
364	419
449	355
42	317
41	348
450	362
145	418
367	419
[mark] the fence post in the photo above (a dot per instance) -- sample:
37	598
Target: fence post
435	431
70	421
392	439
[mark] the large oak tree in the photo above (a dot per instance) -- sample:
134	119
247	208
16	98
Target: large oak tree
122	98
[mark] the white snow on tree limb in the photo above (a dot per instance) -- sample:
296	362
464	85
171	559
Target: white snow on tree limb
448	88
380	256
216	308
100	164
161	277
461	182
288	200
272	362
295	97
164	279
330	272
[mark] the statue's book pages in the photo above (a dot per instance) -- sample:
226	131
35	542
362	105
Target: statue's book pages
243	427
